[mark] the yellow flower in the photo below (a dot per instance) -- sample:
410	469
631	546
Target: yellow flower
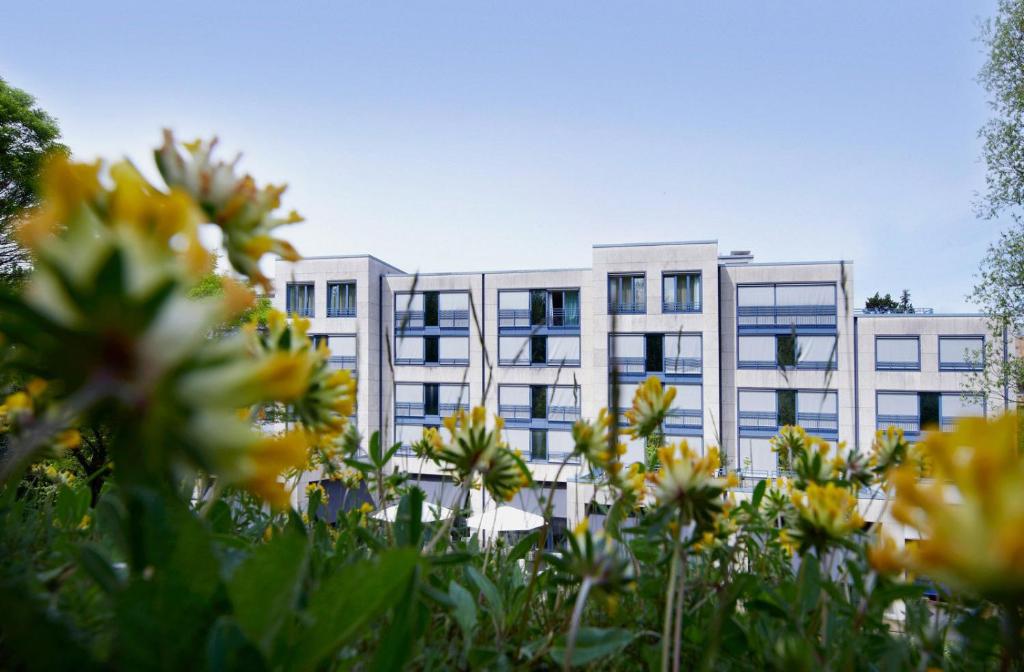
885	558
971	515
316	488
264	463
69	439
825	513
590	439
889	449
365	508
690	482
651	405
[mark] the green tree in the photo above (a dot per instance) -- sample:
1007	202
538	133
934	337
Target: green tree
887	304
211	285
27	136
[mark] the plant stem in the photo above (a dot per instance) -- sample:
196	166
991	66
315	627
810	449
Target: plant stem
446	528
574	626
677	625
667	626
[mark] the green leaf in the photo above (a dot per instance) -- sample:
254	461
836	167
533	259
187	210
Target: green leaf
759	489
592	644
409	520
349	599
520	550
228	649
408	621
810	583
490	593
92	558
265	586
375	451
464	611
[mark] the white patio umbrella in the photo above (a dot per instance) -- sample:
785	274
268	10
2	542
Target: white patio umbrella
431	513
504	519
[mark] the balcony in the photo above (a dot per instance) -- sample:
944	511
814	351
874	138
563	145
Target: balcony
563	413
786	316
683	365
680	306
408	409
910	424
684	418
627	307
897	366
453	319
408	320
341	311
338	362
822	423
555	320
760	421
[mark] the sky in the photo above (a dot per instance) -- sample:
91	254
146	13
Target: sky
451	136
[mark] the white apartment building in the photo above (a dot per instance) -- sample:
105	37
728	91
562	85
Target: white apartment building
749	347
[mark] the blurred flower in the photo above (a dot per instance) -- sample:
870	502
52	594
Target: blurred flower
971	516
789	442
263	463
430	444
316	488
590	438
651	405
824	514
889	449
594	557
244	212
885	558
475	448
690	483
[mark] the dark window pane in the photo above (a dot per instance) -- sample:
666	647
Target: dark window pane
430	397
430	303
538	444
930	410
538	401
538	307
571	316
787	407
785	350
557	309
655	354
430	349
538	350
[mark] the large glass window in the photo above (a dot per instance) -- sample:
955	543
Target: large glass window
514	402
897	353
514	350
452	397
299	298
431	399
681	293
538	444
565	308
563	350
627	294
453	349
514	309
683	353
409	349
343	351
409	400
563	403
786	305
341	299
453	310
757	352
816	352
960	353
408	311
538	308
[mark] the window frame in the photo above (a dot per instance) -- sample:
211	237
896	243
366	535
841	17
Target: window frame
308	285
347	288
897	366
957	366
638	308
665	309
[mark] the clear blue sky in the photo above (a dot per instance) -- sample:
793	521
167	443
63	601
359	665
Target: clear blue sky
469	136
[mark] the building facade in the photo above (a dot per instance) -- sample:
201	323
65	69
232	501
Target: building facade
749	347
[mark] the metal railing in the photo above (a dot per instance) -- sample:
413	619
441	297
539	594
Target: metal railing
960	366
908	423
408	409
341	311
898	366
337	362
680	306
446	409
818	422
558	318
453	319
628	364
514	411
785	316
682	365
758	420
563	413
627	307
514	317
685	417
408	319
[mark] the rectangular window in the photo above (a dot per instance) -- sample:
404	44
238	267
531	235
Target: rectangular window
538	350
408	400
931	418
409	350
655	358
563	403
538	308
626	353
897	353
538	402
683	353
341	299
816	352
559	445
453	349
627	294
563	350
514	350
430	349
785	351
898	409
514	402
517	439
408	311
956	406
453	310
818	412
452	398
565	308
960	353
431	399
786	305
681	293
757	352
787	407
538	444
626	392
431	309
758	409
686	408
757	456
343	352
514	309
299	299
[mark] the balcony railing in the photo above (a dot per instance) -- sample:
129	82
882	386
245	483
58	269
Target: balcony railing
680	306
559	318
627	307
514	317
341	311
408	409
818	422
760	420
786	316
683	365
563	413
408	319
898	366
337	362
685	417
446	409
757	364
628	364
908	423
960	366
514	411
556	318
453	319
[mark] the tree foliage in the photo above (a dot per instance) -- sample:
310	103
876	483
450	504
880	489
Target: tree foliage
887	304
27	136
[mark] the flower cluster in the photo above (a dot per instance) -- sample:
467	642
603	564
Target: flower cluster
476	449
690	483
825	514
651	405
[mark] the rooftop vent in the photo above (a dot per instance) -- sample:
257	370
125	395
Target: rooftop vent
736	257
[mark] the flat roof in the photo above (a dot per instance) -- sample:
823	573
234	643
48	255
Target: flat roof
657	244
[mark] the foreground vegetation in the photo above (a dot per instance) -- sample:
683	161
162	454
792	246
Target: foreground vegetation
146	519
